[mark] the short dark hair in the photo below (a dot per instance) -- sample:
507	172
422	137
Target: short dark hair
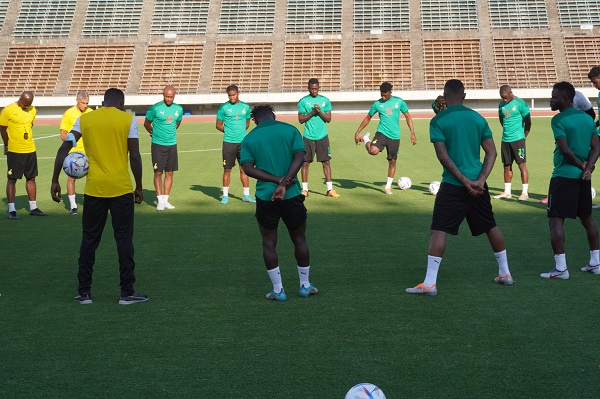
566	89
231	88
113	96
454	86
260	111
385	87
313	81
504	89
594	72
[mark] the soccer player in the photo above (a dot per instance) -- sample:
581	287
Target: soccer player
515	119
162	121
109	135
388	131
66	124
233	119
569	195
16	128
273	153
438	105
594	77
314	111
457	135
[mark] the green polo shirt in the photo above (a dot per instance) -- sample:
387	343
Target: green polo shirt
389	116
234	117
315	128
513	113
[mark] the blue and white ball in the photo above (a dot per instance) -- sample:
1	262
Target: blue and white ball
76	165
404	183
365	390
434	187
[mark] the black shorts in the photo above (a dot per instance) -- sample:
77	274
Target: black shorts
21	164
392	146
164	158
453	204
292	211
569	198
513	151
231	152
319	147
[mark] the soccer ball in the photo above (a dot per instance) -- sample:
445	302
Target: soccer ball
593	193
434	186
76	165
404	183
365	390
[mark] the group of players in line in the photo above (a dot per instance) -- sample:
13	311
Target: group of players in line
274	152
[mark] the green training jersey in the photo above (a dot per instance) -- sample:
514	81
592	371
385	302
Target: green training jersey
234	117
389	116
577	127
315	128
462	130
271	146
164	122
512	122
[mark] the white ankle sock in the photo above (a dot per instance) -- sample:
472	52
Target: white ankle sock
390	180
246	190
305	186
275	277
225	191
502	263
303	273
72	201
595	257
329	185
561	262
433	266
507	187
32	205
526	189
11	207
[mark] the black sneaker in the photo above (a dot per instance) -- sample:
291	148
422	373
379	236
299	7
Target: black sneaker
131	299
73	211
37	212
84	299
12	215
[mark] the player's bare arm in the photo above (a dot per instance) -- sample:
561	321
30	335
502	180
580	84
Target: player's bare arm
260	174
489	158
527	124
442	155
589	165
566	152
221	126
148	126
4	135
409	122
363	124
135	162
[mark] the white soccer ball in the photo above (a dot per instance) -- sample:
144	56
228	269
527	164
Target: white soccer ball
404	183
365	391
434	187
76	165
593	193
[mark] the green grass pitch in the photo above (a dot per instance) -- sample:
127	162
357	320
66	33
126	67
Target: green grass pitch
207	330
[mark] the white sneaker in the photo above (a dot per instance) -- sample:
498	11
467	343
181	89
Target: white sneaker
503	195
564	275
168	205
523	197
160	206
366	136
591	269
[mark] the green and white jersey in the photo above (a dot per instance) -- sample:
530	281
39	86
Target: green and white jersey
314	128
234	117
271	146
462	130
164	122
578	128
513	114
389	116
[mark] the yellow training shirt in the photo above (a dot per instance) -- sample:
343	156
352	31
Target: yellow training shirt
67	122
19	126
105	133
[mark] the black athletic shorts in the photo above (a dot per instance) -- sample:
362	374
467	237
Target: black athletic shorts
319	147
231	152
453	204
21	164
292	211
513	151
164	158
569	198
392	146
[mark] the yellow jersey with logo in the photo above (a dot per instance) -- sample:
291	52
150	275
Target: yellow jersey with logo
67	122
19	126
104	133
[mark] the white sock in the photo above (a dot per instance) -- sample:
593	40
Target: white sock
390	180
32	205
303	274
595	257
305	185
561	262
275	277
525	189
507	187
72	201
165	198
11	207
225	191
502	263
246	190
433	265
329	185
160	199
367	140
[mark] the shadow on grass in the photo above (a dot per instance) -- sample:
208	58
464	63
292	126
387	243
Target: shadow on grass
213	192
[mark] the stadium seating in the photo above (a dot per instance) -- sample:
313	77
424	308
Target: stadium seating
529	14
449	15
311	17
304	60
34	68
175	64
582	55
574	13
49	18
180	17
112	18
386	16
456	58
246	64
3	11
376	61
525	62
99	67
257	17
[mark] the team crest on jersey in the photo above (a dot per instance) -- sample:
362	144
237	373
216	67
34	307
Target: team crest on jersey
155	165
176	113
244	111
514	108
374	141
10	172
323	104
224	162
